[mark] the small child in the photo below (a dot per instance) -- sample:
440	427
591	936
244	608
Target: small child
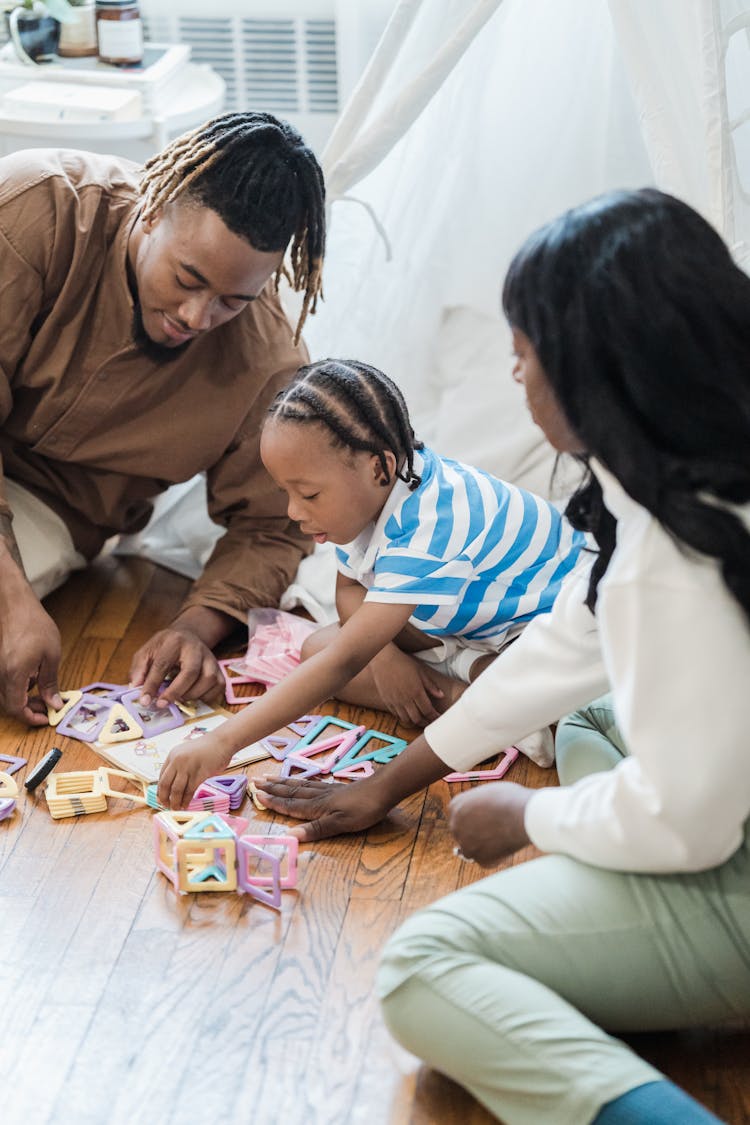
440	565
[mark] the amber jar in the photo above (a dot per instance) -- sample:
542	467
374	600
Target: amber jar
119	31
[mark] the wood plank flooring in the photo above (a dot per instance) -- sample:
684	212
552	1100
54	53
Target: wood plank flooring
125	1003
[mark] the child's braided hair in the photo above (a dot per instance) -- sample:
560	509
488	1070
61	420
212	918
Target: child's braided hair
361	407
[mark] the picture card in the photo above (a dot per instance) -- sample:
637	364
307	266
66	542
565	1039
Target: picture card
145	756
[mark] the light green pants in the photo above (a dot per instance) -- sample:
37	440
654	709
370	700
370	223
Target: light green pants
505	985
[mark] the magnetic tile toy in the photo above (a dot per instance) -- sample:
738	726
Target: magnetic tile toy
75	794
498	771
69	698
152	720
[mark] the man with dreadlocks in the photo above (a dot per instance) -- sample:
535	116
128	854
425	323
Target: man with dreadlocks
141	342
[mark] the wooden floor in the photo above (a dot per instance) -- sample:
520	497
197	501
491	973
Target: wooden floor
123	1002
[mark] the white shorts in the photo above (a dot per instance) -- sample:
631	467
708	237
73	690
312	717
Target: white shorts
456	656
44	542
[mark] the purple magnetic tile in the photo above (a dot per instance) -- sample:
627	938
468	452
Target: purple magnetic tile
13	762
98	706
7	807
303	766
235	785
252	885
152	720
278	747
105	691
302	725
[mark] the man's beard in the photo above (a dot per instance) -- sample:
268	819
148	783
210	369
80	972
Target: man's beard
159	353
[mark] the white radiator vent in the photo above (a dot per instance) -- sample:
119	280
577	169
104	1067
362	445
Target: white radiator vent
285	66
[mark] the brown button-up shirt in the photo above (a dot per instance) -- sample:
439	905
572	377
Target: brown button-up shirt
95	427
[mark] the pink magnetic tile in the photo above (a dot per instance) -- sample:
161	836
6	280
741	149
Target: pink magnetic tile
509	757
290	844
209	799
356	772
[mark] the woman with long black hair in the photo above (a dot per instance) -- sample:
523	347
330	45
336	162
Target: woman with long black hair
632	339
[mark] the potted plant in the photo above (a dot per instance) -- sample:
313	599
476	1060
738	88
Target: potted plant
34	27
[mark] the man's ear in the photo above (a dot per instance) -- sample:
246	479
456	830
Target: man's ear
153	220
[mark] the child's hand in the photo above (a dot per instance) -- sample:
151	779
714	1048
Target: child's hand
187	766
406	686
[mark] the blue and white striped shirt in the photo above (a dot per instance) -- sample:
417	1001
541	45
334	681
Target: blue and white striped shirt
476	556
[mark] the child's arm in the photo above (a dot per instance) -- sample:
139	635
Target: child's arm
371	627
349	596
408	692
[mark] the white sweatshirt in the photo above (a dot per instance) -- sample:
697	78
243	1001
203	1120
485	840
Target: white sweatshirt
674	646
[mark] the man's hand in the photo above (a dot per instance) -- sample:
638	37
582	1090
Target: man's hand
328	809
29	653
406	687
181	654
488	822
187	766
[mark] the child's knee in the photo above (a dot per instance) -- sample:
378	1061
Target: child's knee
318	640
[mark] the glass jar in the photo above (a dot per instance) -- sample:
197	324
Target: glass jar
78	34
120	32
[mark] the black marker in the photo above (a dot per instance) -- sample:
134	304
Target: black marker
46	766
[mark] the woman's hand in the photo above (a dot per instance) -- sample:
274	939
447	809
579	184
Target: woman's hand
488	822
329	809
187	766
406	687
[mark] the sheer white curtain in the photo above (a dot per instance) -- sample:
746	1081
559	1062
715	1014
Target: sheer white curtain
535	116
512	110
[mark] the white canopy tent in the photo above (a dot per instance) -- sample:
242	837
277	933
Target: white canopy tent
473	124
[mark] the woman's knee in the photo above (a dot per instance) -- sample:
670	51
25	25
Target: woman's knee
588	741
427	938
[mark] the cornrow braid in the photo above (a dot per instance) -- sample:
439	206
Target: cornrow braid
263	182
363	409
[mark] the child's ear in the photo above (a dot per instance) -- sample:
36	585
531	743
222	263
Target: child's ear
379	476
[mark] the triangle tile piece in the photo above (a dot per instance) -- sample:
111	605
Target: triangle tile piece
14	763
120	726
277	746
303	725
356	771
212	827
69	698
301	766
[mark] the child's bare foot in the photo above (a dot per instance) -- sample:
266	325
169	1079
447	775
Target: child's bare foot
452	690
